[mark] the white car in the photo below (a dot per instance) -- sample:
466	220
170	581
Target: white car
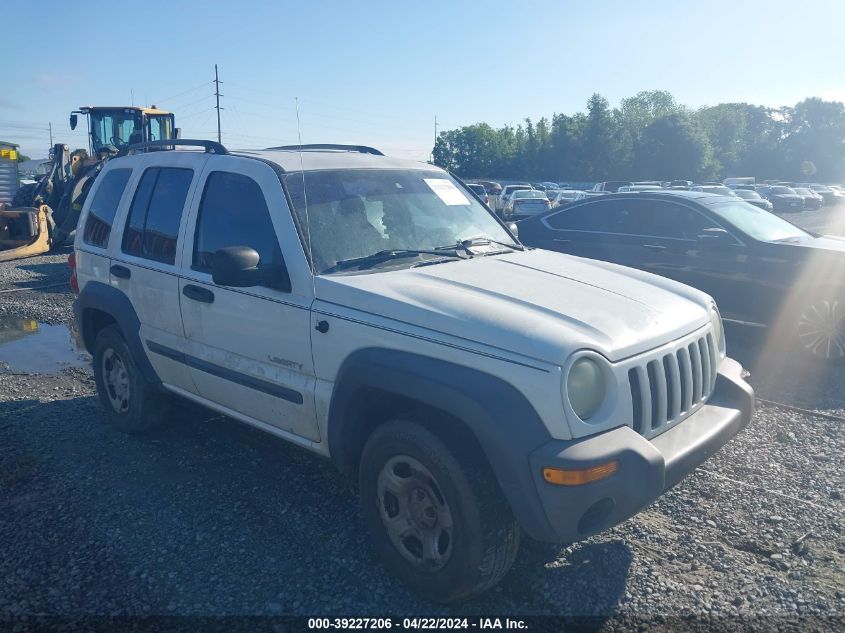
526	202
371	310
507	193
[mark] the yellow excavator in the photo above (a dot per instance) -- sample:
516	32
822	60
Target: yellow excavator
43	215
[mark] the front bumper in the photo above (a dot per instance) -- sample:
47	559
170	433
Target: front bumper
647	468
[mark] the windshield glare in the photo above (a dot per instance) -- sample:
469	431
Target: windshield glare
529	194
756	222
353	213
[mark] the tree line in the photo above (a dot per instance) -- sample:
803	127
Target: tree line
651	136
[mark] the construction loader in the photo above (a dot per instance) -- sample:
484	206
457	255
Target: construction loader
43	215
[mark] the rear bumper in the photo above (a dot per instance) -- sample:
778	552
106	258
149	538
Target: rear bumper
647	468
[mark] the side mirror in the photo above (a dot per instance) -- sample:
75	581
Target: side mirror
73	121
177	132
237	266
514	229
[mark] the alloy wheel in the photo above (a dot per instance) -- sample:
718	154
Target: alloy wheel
821	329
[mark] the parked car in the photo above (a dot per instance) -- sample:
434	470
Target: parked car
479	190
473	390
686	184
564	197
611	186
741	187
492	188
590	194
640	187
741	180
761	269
717	189
507	192
827	194
752	197
524	203
550	185
812	200
783	199
551	193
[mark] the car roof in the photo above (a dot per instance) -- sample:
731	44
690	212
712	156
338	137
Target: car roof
292	160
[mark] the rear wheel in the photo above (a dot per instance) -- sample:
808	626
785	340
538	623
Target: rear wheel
439	525
131	404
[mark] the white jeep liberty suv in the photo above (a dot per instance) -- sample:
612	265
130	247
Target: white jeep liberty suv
374	311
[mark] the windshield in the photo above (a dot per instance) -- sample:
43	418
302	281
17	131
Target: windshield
115	129
753	221
819	188
782	191
354	213
529	194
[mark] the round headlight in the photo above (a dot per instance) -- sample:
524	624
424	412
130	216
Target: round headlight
718	330
586	387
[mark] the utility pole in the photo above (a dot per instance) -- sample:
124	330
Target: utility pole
217	94
435	138
51	134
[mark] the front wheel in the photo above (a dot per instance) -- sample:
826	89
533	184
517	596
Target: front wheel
820	327
441	526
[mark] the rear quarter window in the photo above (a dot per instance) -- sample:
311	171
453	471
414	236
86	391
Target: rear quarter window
104	207
152	228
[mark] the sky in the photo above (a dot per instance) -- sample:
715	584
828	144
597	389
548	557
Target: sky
378	73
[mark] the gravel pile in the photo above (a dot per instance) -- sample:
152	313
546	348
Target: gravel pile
208	516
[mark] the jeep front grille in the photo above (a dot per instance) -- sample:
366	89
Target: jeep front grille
667	388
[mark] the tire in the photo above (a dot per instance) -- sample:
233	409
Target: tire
409	477
131	404
25	196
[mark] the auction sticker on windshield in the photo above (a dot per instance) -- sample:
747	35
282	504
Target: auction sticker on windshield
446	191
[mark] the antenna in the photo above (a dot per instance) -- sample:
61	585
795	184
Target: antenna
305	201
217	94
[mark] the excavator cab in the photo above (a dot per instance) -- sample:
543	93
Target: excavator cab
112	130
43	215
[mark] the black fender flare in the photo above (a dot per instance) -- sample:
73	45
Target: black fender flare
504	423
96	295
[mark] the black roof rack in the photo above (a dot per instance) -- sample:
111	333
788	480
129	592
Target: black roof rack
212	147
361	149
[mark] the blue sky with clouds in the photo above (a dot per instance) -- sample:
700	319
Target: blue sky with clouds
377	72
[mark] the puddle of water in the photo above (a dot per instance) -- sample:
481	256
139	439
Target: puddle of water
29	347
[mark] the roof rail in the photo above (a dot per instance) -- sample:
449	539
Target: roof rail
212	147
361	149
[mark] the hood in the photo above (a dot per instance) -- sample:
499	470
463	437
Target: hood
537	304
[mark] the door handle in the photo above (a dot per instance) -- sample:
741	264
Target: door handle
120	271
558	240
197	293
654	247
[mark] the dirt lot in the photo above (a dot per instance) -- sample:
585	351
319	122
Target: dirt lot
208	516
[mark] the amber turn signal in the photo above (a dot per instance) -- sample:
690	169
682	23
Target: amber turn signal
562	477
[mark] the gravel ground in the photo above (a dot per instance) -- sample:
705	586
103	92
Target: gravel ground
208	516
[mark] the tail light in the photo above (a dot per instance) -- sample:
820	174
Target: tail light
74	282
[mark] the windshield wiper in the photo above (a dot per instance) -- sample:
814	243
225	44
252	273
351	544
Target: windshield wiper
482	241
367	261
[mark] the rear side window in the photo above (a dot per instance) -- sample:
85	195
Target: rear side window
156	212
233	212
104	206
598	217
